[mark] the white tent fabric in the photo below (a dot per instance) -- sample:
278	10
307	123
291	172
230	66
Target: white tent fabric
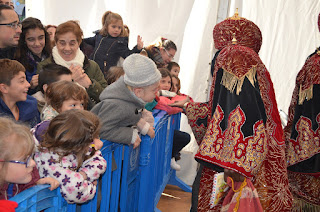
289	30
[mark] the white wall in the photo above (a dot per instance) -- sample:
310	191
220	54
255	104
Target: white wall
290	34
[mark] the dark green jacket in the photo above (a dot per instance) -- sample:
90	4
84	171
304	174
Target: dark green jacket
93	71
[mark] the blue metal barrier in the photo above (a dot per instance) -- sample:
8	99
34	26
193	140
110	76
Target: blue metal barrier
134	179
155	157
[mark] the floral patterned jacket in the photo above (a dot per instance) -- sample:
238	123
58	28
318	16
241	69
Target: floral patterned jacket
73	187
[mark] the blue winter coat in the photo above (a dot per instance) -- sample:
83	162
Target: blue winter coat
28	111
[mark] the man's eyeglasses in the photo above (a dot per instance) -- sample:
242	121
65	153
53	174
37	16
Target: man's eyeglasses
169	55
13	25
27	163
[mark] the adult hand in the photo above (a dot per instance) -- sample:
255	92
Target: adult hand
180	103
137	142
234	175
139	42
79	76
34	82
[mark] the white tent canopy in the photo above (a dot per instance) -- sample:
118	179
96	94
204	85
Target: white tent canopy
289	30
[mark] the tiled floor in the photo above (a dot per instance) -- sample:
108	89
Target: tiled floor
181	203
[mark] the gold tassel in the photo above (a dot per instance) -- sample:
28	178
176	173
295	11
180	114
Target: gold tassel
306	94
232	82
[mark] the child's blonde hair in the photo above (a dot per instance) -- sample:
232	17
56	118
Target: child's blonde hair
72	132
109	18
15	141
60	91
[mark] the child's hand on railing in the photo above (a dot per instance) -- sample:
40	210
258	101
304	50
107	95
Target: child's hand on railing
98	144
151	132
137	142
49	180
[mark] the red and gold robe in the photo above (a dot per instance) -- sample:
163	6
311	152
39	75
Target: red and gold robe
240	129
302	135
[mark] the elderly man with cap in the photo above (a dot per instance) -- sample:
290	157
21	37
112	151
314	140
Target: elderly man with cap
123	101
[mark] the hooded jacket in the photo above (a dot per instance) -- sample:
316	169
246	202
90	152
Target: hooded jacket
119	111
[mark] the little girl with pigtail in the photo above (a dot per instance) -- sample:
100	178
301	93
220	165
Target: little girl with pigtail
67	154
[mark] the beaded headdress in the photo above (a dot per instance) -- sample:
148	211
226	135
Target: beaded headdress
246	32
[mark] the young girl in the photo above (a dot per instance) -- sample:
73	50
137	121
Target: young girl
34	46
180	139
66	154
111	43
17	168
61	96
167	94
176	85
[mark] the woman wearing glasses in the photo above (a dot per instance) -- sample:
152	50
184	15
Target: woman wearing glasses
162	51
34	47
18	170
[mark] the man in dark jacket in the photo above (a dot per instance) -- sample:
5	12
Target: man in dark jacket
10	30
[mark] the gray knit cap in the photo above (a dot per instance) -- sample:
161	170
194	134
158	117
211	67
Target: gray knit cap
140	71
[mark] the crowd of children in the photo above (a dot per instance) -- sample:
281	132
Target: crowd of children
48	84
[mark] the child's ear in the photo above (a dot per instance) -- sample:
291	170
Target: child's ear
3	88
45	86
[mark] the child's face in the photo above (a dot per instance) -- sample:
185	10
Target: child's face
72	104
19	173
165	83
18	89
175	85
175	70
148	93
114	29
16	172
35	40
